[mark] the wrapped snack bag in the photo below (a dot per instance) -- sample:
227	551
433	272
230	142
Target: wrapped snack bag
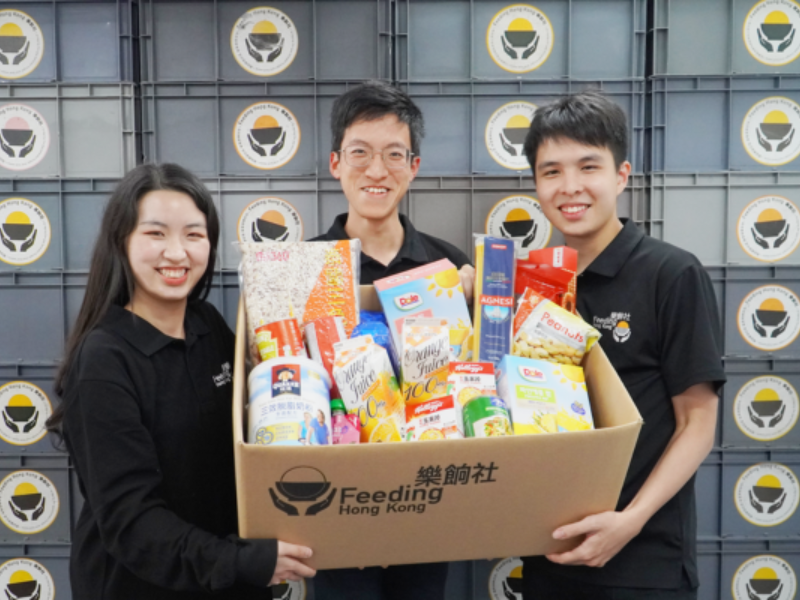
551	273
544	330
494	298
426	359
363	374
280	338
434	420
321	335
375	324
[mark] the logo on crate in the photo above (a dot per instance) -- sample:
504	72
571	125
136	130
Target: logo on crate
290	590
769	317
764	577
271	219
766	408
24	231
766	494
771	33
24	137
519	38
264	41
769	131
28	502
21	44
520	218
302	485
505	580
505	134
26	579
25	409
266	135
769	228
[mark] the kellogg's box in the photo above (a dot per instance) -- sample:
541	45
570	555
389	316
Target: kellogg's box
433	290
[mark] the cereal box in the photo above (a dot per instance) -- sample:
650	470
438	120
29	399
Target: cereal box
433	420
544	397
433	290
426	359
494	298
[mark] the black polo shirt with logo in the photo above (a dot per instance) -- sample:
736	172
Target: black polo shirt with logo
148	424
656	309
418	249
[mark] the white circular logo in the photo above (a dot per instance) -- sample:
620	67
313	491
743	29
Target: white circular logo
764	577
766	408
621	332
24	231
766	494
505	134
520	218
266	135
21	44
270	219
769	131
769	228
25	409
771	33
26	579
769	317
519	38
290	590
28	502
24	137
264	41
505	580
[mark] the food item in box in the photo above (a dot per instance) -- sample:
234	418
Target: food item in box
306	280
468	380
544	397
433	420
289	403
280	338
486	416
551	273
544	330
375	324
346	428
364	376
433	290
494	298
321	335
426	359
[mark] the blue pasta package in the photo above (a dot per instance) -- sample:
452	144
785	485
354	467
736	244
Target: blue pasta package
494	298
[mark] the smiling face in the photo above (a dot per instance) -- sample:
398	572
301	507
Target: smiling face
168	250
577	186
374	192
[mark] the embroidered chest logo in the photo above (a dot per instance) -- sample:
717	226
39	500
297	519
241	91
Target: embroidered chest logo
225	377
619	324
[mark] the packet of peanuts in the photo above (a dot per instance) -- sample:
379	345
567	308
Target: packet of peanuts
543	330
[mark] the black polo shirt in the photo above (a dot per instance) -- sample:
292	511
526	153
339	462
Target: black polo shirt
656	309
148	425
418	249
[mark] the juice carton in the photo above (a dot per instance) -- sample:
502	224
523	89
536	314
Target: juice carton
544	397
369	389
426	359
433	290
494	298
434	420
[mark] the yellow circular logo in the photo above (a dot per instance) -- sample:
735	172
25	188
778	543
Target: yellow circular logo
266	135
264	41
770	32
520	38
21	44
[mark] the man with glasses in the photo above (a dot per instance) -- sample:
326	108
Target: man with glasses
376	137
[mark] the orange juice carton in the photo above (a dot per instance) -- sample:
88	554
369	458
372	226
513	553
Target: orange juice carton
369	389
544	397
432	290
434	420
426	359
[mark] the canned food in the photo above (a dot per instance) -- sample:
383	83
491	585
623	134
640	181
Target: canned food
486	416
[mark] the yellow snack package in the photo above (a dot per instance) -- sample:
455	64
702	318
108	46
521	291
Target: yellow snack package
426	359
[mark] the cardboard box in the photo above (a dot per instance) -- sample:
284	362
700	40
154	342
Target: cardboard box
386	504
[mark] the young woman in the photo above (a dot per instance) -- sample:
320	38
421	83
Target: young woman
146	410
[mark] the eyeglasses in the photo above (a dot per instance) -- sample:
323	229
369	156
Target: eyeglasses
393	158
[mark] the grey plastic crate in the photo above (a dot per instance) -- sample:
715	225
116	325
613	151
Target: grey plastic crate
92	128
337	40
459	112
445	40
713	215
224	295
83	41
47	564
705	38
697	121
58	530
707	495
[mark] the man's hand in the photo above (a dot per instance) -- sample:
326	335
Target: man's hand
290	563
467	275
606	534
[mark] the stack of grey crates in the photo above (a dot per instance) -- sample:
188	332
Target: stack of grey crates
724	175
67	133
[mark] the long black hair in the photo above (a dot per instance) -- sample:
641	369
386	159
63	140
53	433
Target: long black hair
111	280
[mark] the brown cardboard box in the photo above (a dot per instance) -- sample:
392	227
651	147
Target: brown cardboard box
386	504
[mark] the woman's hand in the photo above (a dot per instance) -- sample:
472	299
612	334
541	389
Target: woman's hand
290	563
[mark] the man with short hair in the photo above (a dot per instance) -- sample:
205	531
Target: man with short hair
655	306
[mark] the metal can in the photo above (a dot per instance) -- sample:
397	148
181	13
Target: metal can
486	416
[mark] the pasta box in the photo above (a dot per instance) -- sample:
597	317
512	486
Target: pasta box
437	500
